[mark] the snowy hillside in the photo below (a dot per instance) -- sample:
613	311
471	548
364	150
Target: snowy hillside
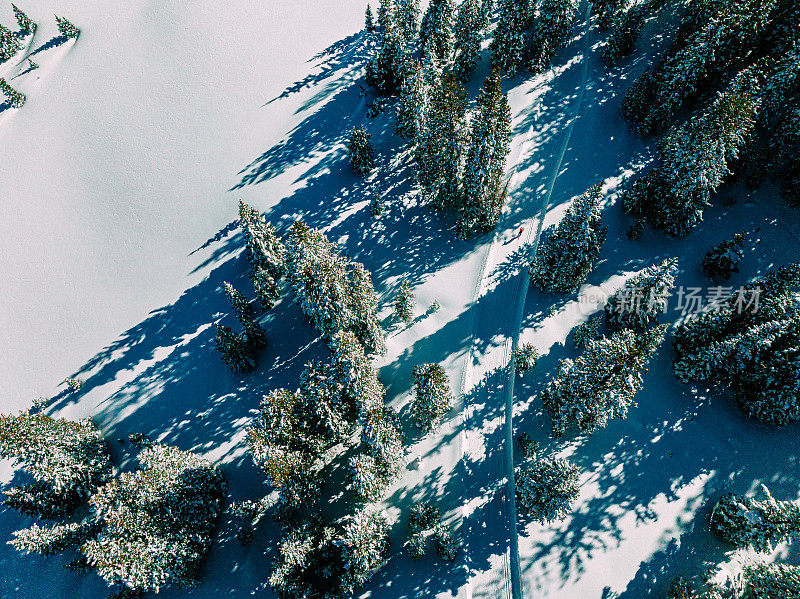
120	183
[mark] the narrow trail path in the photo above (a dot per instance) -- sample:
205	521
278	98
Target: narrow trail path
487	415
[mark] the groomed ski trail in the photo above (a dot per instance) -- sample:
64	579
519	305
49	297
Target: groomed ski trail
505	581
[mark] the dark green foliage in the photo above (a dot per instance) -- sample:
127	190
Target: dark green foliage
26	24
525	357
644	296
437	28
369	20
234	349
510	35
265	252
622	40
723	259
67	29
432	396
360	151
10	44
404	303
546	488
550	32
15	98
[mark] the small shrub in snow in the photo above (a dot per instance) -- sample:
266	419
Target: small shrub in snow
26	24
404	303
40	403
643	297
587	332
74	384
435	306
432	396
525	357
359	148
546	488
569	250
67	29
417	544
601	384
722	260
747	522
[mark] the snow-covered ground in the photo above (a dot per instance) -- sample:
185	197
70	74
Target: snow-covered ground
119	181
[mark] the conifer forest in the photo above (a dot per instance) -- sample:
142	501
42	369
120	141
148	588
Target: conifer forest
407	299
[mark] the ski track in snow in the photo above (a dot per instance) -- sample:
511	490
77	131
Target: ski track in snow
505	579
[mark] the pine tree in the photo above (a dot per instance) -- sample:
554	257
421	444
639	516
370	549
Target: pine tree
265	252
749	342
643	297
767	581
432	396
587	332
386	68
67	29
693	161
404	303
54	538
622	40
484	187
468	33
407	18
607	11
602	384
359	148
411	103
234	349
525	358
10	44
437	28
440	147
26	24
157	523
547	488
386	14
551	31
369	20
721	261
508	45
747	522
569	250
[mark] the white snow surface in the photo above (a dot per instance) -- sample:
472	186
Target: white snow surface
119	180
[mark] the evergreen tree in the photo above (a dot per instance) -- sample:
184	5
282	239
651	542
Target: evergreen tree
265	252
468	33
234	349
567	255
407	18
484	188
645	296
241	307
607	11
749	342
26	24
411	103
67	29
747	522
587	332
10	44
622	40
359	148
767	581
54	538
508	45
369	20
335	293
386	14
551	31
404	303
440	147
157	523
432	396
386	68
525	358
437	28
602	384
547	488
723	259
693	161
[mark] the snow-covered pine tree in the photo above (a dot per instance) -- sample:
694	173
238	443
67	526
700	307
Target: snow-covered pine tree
716	36
386	14
326	413
468	33
551	31
625	34
67	459
265	252
608	11
335	293
239	303
432	396
437	28
643	297
51	539
747	522
234	349
320	562
26	24
750	343
369	19
360	151
569	250
157	523
10	44
525	358
602	384
723	259
546	488
440	148
587	332
484	188
253	335
67	29
508	45
404	303
767	581
693	160
446	543
407	14
386	68
411	101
